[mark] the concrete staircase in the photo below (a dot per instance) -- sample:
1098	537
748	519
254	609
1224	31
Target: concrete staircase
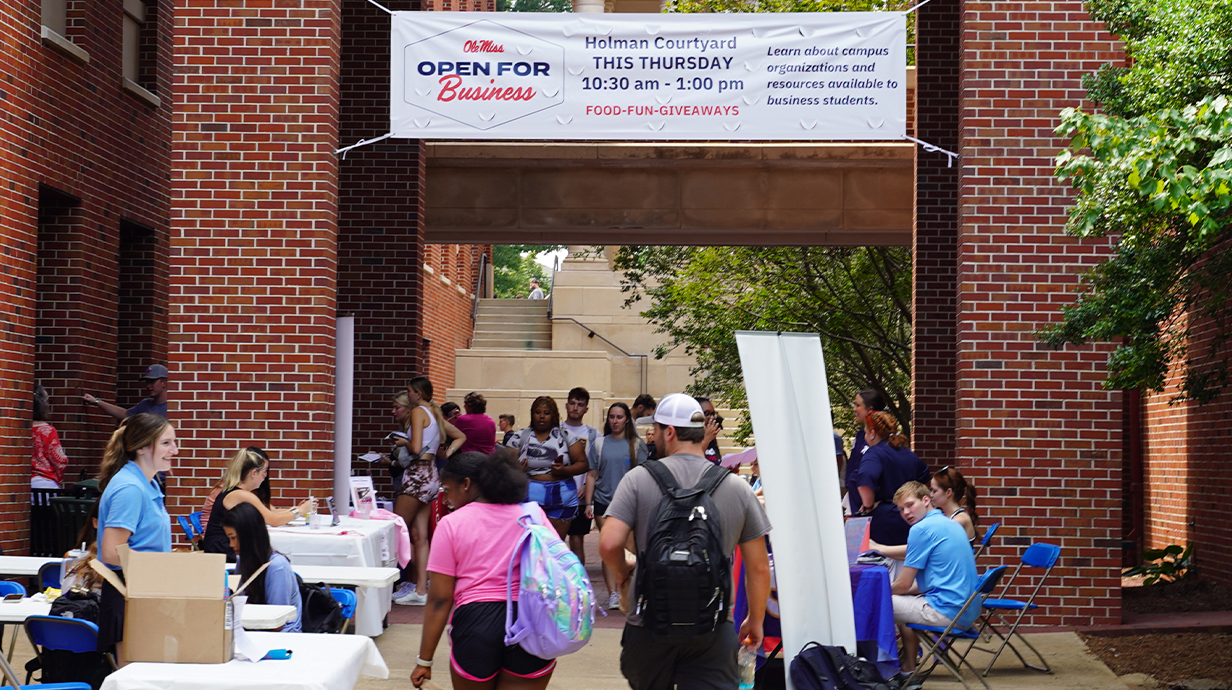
512	324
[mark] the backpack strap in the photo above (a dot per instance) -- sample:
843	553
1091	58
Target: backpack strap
712	479
663	477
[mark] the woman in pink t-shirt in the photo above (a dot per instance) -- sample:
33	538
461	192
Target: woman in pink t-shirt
469	576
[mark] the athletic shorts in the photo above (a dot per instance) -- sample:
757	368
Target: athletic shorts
914	608
580	526
559	499
420	481
478	650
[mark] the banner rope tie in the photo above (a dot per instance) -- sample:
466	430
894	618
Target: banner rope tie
931	148
388	11
363	142
913	9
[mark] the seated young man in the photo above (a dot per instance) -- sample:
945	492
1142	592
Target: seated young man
939	563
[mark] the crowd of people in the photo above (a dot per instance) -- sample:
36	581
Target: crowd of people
459	485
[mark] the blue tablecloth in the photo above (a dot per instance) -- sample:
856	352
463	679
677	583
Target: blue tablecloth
876	638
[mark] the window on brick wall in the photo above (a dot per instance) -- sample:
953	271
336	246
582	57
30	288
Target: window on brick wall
55	30
140	43
59	224
137	308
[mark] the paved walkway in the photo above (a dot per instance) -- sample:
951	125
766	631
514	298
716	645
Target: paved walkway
596	667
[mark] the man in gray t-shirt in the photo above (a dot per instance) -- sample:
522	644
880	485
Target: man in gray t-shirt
647	661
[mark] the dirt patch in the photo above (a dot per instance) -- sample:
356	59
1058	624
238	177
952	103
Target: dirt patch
1186	596
1167	657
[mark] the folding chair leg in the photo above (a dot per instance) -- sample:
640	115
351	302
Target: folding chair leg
1006	641
941	656
345	623
13	642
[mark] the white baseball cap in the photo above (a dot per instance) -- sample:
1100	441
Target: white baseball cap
679	410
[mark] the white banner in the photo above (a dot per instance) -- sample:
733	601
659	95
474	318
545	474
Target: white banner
713	77
789	403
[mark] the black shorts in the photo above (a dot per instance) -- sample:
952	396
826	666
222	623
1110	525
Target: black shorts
706	662
478	651
601	510
580	526
110	616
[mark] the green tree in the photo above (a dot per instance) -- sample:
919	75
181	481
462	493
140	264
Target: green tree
534	6
857	298
513	265
1154	173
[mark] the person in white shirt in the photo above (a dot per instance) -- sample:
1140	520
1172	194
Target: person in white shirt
576	407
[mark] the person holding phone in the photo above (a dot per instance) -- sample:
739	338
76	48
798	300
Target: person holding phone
131	510
248	537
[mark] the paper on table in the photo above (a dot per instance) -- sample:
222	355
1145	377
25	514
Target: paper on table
370	457
246	649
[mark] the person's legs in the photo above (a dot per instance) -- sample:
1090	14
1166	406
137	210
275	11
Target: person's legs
512	681
420	540
562	527
710	662
646	662
404	507
609	577
913	609
461	682
911	648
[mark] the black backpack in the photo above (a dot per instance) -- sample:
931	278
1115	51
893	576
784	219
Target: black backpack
824	667
683	576
320	612
59	666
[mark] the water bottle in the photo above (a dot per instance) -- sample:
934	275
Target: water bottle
747	660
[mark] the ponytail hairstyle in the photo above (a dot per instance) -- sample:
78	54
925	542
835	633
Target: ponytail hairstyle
630	430
499	477
136	432
886	427
255	550
422	386
950	479
243	463
404	400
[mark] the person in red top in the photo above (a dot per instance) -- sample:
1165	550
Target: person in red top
48	460
479	428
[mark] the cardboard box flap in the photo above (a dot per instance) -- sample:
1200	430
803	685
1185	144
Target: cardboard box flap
175	575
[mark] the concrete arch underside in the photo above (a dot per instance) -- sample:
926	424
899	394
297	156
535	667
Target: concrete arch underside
669	193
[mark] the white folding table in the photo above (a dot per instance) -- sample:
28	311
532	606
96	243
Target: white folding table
318	662
371	584
27	566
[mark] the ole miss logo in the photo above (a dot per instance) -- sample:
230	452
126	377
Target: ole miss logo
481	82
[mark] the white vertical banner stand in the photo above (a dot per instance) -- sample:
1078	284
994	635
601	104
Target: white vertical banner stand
789	402
344	386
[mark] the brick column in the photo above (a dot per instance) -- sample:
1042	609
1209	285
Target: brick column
935	234
1036	429
380	242
254	240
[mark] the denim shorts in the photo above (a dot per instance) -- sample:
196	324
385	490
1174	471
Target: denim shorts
559	499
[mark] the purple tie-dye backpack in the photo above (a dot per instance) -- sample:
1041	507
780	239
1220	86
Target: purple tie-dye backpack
556	605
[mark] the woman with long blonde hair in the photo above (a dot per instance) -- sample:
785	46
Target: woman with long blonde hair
131	510
244	475
415	452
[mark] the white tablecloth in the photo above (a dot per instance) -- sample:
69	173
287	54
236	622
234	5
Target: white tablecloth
318	662
24	565
256	616
354	542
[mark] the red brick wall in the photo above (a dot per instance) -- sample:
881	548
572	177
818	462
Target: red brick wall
71	132
934	237
254	240
1187	476
449	289
1035	427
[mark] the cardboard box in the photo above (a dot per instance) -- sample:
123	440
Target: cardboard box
176	608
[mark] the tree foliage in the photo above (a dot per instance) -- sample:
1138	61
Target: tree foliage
513	265
1155	172
534	6
857	298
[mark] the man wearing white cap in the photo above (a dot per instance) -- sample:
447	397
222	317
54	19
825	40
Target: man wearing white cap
677	639
155	378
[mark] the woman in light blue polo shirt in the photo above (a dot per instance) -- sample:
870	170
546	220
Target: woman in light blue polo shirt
131	510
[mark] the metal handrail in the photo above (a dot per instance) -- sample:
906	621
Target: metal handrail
552	283
480	276
591	333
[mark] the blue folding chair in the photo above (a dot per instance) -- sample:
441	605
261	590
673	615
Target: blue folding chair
193	536
1037	555
67	634
8	587
10	676
195	518
347	600
938	642
992	529
49	575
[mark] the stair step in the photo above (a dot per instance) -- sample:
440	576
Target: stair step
510	344
504	317
515	329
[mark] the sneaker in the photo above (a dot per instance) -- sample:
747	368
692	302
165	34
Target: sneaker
404	589
613	601
413	599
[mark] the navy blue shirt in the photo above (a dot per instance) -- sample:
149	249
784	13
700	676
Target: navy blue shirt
858	449
148	406
884	469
